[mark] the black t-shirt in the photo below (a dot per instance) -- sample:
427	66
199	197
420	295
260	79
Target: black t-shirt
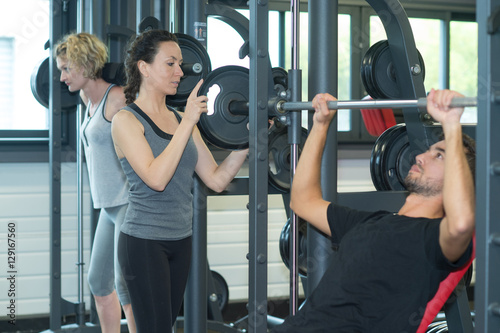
385	270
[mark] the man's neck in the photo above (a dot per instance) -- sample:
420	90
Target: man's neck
422	206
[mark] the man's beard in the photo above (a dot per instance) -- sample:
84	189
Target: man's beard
427	189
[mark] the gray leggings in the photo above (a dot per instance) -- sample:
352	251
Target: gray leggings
104	270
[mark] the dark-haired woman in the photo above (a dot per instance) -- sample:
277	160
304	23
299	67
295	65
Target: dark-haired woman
160	150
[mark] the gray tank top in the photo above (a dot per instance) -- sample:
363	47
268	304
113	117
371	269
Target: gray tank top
168	214
108	183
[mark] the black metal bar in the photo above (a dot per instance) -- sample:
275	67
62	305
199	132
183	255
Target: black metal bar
487	287
458	314
55	171
195	20
195	300
258	165
238	107
406	65
195	25
230	16
323	73
143	8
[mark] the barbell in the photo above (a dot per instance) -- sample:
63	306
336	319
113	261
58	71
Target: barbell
226	126
420	103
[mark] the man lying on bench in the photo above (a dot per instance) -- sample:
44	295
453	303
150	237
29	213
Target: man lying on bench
388	265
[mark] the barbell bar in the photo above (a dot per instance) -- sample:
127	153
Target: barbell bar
374	104
281	106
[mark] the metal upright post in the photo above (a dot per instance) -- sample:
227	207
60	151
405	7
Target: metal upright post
323	61
79	188
195	302
258	165
55	171
195	20
487	287
294	138
142	9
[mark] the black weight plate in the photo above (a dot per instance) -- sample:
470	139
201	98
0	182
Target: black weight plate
114	72
41	90
365	70
377	156
280	79
193	52
222	128
284	246
378	72
221	290
149	23
279	157
391	159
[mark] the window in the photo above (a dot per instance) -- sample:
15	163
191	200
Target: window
463	63
6	74
24	27
422	28
223	53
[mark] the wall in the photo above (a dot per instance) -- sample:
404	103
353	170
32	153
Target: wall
24	200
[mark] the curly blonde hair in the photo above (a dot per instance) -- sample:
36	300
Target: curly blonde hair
84	50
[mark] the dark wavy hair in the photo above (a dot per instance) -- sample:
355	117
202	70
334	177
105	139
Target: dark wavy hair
143	47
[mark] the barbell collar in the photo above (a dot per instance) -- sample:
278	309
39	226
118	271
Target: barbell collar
192	69
375	104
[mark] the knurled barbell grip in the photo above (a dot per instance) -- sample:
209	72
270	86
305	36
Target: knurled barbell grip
375	104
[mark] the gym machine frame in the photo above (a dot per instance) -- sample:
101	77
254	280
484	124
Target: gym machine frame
487	287
59	25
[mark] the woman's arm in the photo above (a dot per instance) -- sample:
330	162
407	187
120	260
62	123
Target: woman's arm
216	177
129	140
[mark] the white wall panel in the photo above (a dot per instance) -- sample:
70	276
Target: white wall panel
24	199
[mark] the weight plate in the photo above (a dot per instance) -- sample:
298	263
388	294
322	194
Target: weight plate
365	71
279	157
378	73
284	245
193	52
40	87
391	159
220	127
221	290
114	72
280	79
149	23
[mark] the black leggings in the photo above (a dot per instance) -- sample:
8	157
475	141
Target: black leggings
156	274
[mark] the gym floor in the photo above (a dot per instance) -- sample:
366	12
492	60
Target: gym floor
233	312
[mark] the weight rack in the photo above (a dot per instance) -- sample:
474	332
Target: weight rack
488	187
487	296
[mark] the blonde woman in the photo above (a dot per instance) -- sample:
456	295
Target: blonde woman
81	58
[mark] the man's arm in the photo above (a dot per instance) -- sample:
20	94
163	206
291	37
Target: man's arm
457	227
306	197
